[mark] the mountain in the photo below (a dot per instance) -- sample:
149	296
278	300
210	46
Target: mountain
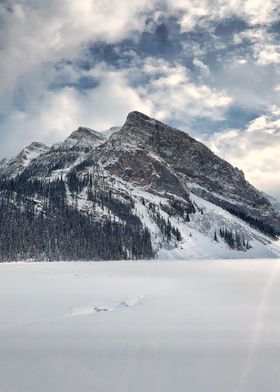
109	132
65	155
3	163
15	166
83	139
143	190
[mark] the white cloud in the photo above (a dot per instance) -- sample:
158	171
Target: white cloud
60	112
268	54
35	33
174	95
241	61
167	94
34	38
256	150
266	49
201	12
201	66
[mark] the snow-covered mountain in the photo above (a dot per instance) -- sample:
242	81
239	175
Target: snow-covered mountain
15	166
143	190
83	139
109	132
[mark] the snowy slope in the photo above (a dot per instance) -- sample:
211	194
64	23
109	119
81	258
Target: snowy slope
274	202
138	326
197	234
109	132
16	165
83	139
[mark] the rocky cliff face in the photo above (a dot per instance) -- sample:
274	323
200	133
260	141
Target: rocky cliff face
144	179
150	153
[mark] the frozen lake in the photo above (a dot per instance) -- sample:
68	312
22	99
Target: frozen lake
140	326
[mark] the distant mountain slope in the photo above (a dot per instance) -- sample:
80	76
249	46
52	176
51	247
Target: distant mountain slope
16	165
140	191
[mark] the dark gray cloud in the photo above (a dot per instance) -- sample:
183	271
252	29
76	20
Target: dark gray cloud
225	29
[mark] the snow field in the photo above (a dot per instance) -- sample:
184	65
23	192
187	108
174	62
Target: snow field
140	326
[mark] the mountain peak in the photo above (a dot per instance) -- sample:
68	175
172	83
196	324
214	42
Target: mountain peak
84	132
32	151
148	124
137	115
137	119
36	146
141	130
17	164
82	138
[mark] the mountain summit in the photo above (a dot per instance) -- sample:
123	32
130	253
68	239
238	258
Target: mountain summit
13	167
143	190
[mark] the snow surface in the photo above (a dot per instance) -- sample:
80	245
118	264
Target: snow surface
140	326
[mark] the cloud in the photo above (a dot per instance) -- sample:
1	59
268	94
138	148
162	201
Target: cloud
241	61
39	43
204	69
201	12
265	46
174	95
163	91
37	33
34	33
61	111
255	150
268	54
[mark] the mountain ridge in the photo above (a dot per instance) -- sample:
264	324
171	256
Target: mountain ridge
147	188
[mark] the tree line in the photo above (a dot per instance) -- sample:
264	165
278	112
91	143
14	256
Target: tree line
51	229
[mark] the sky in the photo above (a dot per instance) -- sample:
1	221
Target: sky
208	67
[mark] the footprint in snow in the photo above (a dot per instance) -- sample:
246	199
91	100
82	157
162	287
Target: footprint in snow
132	301
87	310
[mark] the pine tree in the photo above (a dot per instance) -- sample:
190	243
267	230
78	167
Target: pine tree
215	236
